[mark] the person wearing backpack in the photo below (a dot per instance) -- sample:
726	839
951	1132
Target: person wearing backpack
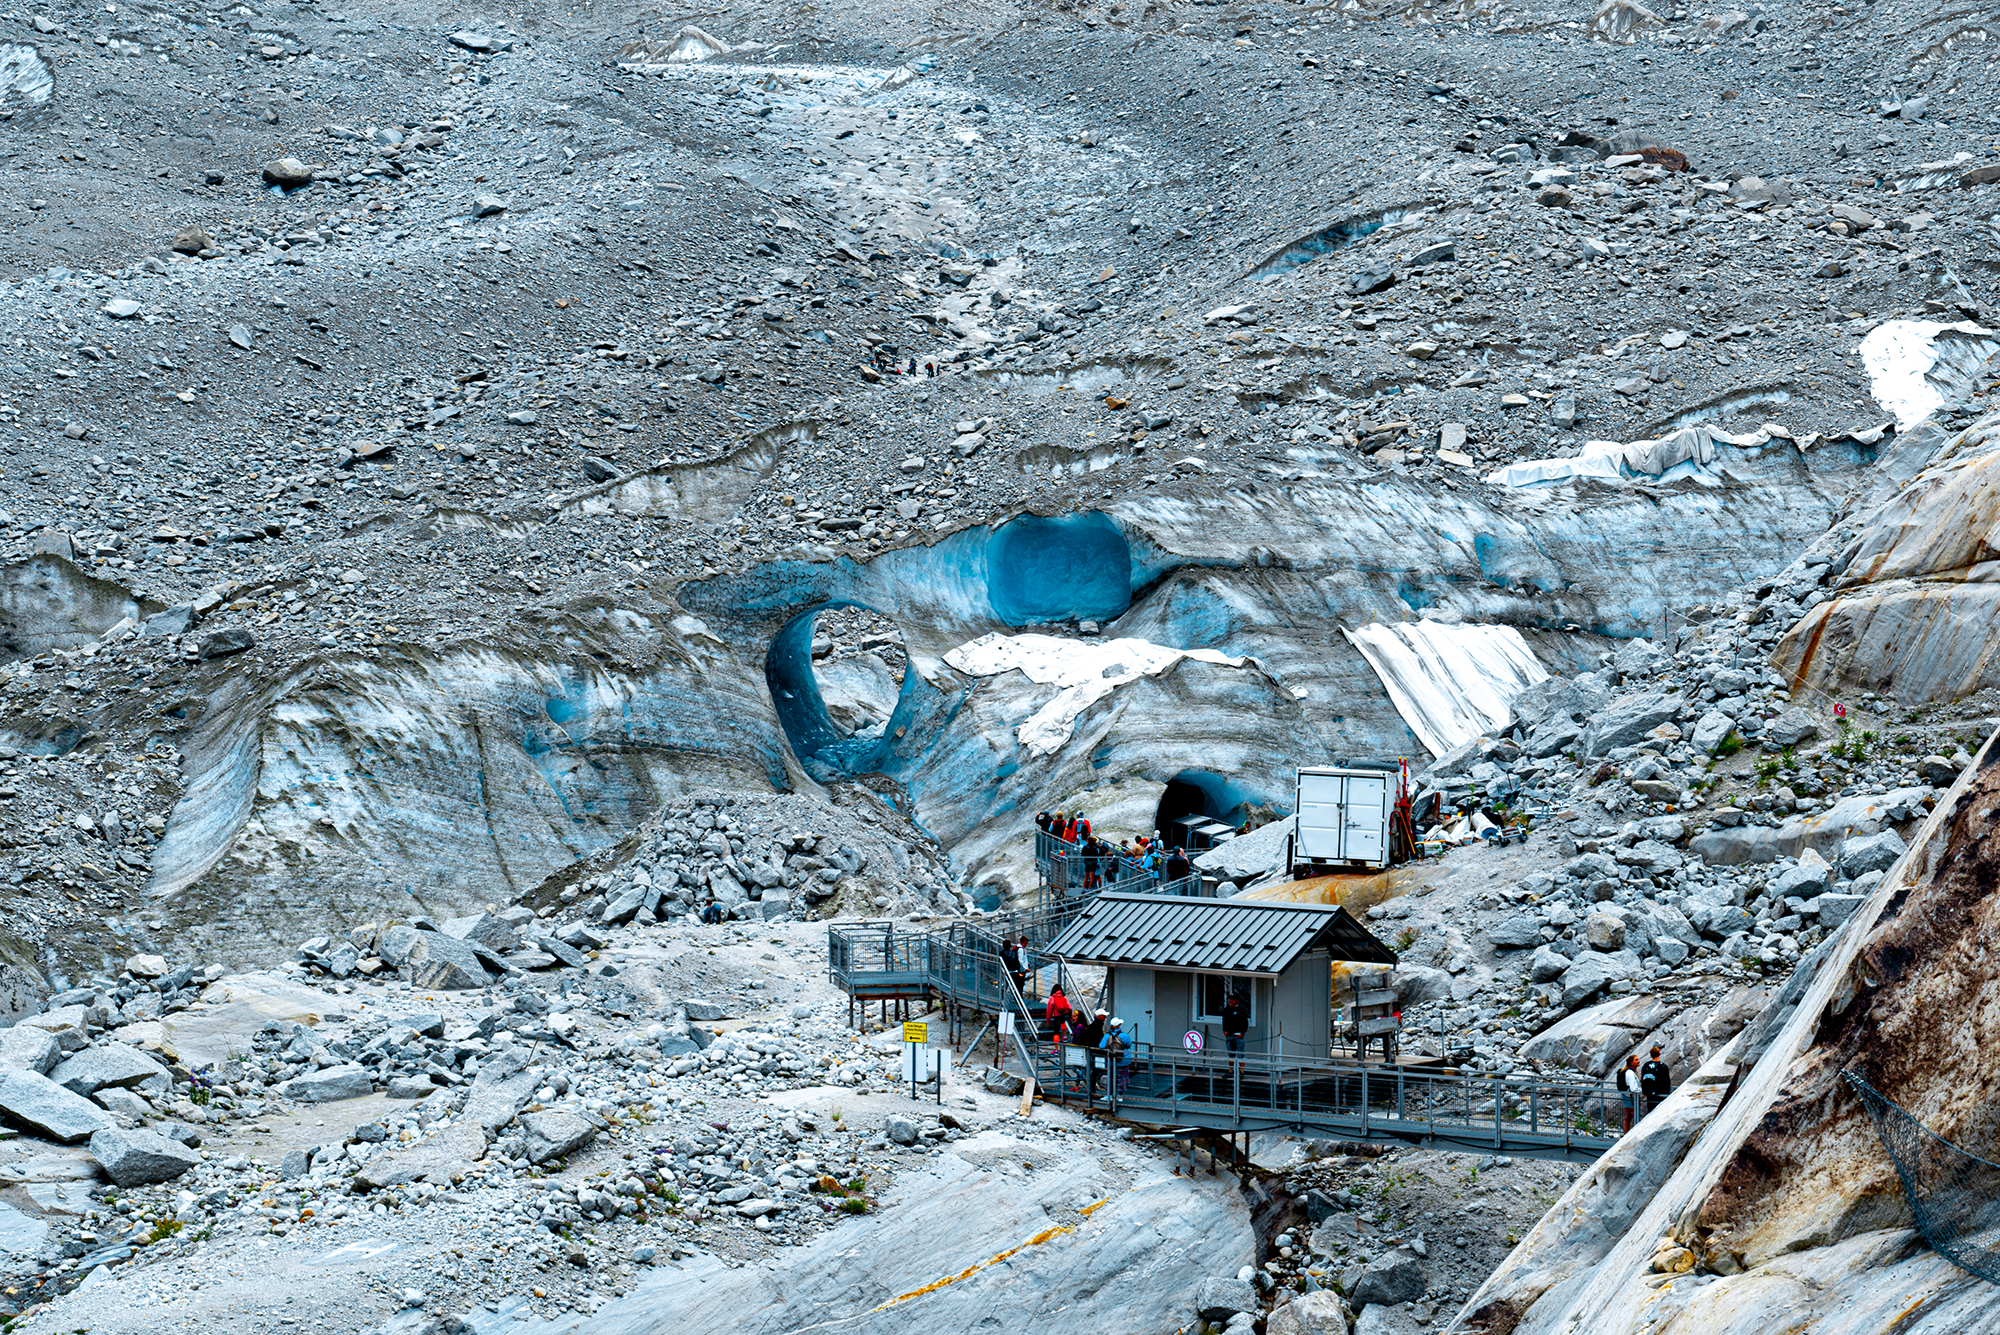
1628	1087
1655	1081
1091	1039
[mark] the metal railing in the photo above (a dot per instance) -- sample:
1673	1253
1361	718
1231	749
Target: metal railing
962	963
1518	1114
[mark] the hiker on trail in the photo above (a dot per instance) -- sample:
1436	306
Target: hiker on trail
1091	1038
1042	821
711	912
1628	1087
1235	1024
1178	865
1154	862
1655	1081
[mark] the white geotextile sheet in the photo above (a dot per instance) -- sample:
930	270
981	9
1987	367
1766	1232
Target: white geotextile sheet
1451	683
1691	449
1085	671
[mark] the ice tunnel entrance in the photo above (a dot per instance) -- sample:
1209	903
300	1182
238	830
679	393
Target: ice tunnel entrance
837	688
858	664
1072	568
1197	793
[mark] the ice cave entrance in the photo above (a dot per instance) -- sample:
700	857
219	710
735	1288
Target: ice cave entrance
1071	568
1200	794
836	674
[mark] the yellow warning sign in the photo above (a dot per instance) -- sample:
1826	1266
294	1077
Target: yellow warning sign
915	1031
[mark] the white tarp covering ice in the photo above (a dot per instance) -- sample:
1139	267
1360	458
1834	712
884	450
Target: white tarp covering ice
1903	358
1450	683
1683	453
1085	671
691	44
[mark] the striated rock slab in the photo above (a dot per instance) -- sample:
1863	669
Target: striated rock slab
1139	1255
1594	1039
1787	1201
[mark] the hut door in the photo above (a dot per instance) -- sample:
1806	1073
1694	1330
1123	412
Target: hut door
1135	1003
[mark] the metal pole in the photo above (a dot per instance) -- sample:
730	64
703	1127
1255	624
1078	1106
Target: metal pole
1364	1100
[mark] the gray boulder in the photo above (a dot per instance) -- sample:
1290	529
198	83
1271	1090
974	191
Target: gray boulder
483	929
1725	920
331	1084
1937	771
1792	726
140	1158
29	1049
446	964
1416	985
698	1008
582	936
1321	1312
1396	1319
1220	1298
396	944
1000	1081
41	1107
1515	932
71	1026
625	904
1547	964
1805	880
496	1098
1604	931
1396	1276
1823	832
1594	971
1834	910
110	1066
550	1134
1866	853
287	173
1710	731
900	1130
411	1087
1627	720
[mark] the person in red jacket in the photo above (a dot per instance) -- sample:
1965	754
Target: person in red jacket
1057	1013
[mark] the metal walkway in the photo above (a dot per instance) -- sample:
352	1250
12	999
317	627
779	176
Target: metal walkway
959	967
1523	1116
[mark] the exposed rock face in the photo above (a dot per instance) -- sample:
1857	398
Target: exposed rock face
1133	1254
1789	1199
1918	597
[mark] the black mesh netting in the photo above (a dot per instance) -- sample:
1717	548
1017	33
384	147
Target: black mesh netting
1955	1196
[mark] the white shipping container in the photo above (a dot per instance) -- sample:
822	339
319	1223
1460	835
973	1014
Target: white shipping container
1343	816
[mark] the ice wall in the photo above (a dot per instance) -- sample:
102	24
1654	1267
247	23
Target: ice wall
1451	683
